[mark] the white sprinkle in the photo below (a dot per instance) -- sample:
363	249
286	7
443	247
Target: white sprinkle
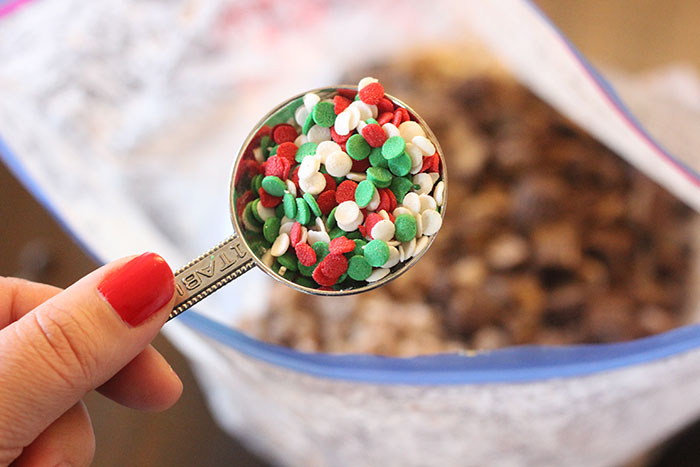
301	114
265	213
377	274
439	193
365	112
435	176
320	225
347	212
316	236
412	201
409	247
415	153
425	181
401	210
280	245
318	133
291	187
304	235
395	243
314	184
383	230
355	116
424	144
432	221
384	214
249	226
309	166
282	270
390	130
374	203
421	245
360	126
285	220
258	155
393	258
301	139
356	176
342	123
338	164
374	109
402	253
409	130
365	81
427	203
267	259
310	100
286	227
326	148
419	224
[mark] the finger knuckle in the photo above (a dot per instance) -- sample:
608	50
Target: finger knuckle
64	344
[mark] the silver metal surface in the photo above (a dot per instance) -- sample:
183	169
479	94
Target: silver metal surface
234	256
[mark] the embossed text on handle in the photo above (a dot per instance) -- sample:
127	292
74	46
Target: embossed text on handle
209	272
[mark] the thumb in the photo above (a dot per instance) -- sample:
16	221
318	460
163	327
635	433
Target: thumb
77	341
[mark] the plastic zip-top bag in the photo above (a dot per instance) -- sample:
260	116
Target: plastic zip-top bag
143	106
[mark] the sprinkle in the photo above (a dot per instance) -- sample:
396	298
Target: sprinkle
267	200
340	103
358	268
379	176
341	245
280	245
295	234
303	212
357	147
324	114
345	191
374	135
338	164
283	132
376	253
314	184
306	149
287	150
271	229
372	93
274	185
400	165
393	147
313	205
326	202
305	254
405	227
364	193
432	221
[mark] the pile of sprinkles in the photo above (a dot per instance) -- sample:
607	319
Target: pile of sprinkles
344	192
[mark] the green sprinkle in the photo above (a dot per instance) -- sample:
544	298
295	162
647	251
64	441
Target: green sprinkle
273	150
377	160
271	229
353	235
323	114
330	221
311	201
400	165
305	271
303	213
256	183
369	121
321	249
364	192
257	247
357	147
308	124
279	210
376	252
358	268
406	227
306	149
290	205
336	232
379	176
342	278
254	210
251	218
274	185
265	143
393	147
289	260
304	282
400	186
359	246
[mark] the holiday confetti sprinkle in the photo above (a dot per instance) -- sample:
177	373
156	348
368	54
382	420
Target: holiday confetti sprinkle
344	192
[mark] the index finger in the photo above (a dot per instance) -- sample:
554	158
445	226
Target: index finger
19	296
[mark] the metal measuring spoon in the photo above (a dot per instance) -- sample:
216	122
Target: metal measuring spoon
233	256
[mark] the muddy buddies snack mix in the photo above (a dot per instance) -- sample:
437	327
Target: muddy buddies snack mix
550	238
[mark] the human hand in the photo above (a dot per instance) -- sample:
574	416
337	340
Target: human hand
56	345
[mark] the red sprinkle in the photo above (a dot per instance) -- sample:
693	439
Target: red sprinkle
322	279
339	138
295	234
374	134
283	133
372	93
305	254
385	105
392	201
384	200
362	229
345	191
288	151
385	117
334	265
341	245
360	166
295	178
330	183
431	163
340	103
242	200
326	202
398	117
267	200
347	93
277	166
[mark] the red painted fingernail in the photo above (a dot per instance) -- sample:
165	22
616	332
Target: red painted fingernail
139	288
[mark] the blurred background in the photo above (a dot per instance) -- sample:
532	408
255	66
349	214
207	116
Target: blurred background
631	35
